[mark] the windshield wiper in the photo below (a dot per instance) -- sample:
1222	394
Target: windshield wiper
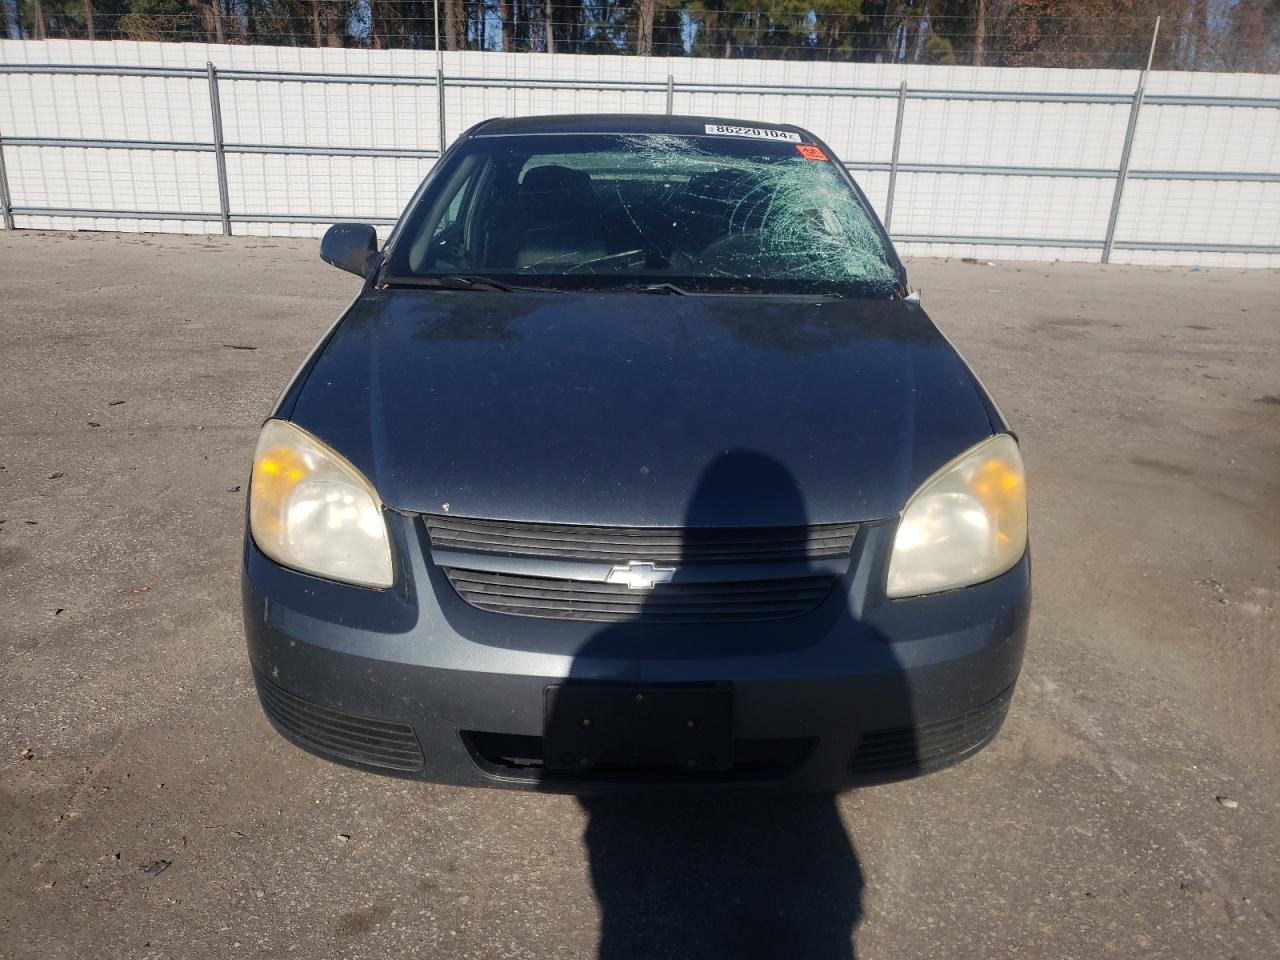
663	288
453	282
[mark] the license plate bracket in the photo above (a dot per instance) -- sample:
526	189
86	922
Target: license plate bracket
589	725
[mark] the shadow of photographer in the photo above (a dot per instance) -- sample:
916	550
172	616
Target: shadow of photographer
709	873
705	876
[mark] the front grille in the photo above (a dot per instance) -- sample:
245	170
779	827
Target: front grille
665	544
795	569
378	743
736	600
930	746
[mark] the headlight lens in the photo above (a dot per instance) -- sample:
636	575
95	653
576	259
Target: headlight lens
311	510
966	524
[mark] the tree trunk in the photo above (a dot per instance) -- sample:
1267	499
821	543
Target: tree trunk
454	24
215	12
88	19
39	21
551	36
644	33
315	23
980	33
504	14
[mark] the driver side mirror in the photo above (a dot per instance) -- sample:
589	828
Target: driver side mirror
351	247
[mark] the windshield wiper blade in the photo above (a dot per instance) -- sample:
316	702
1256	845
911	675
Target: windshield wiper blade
453	282
663	288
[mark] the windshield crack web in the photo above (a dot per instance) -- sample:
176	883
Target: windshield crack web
762	217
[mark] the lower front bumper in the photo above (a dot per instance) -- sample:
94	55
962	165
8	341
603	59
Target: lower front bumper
517	760
415	682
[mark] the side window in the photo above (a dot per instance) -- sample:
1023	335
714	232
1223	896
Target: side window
442	242
450	216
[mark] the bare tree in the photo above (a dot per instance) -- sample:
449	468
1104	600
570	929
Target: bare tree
551	38
980	33
88	19
644	27
504	14
455	24
215	15
335	23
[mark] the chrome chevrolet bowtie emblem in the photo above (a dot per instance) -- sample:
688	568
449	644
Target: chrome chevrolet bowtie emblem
640	575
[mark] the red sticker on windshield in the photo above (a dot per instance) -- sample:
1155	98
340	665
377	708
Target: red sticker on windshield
810	152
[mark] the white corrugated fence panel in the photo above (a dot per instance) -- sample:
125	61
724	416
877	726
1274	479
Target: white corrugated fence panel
858	124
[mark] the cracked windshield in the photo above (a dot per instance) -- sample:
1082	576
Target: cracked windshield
715	213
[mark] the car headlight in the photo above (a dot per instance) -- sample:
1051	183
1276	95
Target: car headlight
966	524
311	510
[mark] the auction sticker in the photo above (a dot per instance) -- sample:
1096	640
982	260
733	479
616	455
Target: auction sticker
758	133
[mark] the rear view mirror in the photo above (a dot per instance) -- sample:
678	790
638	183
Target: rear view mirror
350	247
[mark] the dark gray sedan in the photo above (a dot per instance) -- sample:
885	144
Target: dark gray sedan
634	463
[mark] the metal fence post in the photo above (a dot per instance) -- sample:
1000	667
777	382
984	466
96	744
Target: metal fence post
671	93
440	108
219	154
6	202
893	160
1122	174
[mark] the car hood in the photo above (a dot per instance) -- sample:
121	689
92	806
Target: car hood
641	409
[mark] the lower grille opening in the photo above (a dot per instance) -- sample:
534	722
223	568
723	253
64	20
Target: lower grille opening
520	757
929	746
377	743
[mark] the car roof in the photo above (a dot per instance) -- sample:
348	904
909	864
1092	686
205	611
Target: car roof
625	123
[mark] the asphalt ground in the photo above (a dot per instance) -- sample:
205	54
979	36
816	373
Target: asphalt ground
1128	809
